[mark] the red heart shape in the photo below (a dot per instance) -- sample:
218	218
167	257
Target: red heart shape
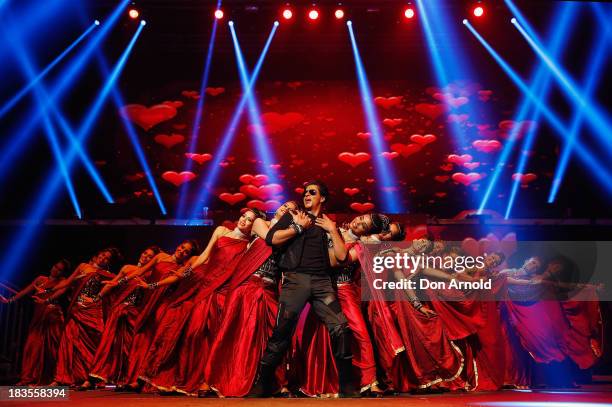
459	159
470	247
135	177
471	166
389	155
353	159
263	206
199	158
449	99
363	136
257	180
406	149
274	122
262	192
457	118
441	178
440	194
466	179
169	141
487	146
484	95
214	91
351	191
392	122
524	178
299	190
192	94
232	199
147	117
294	85
362	207
430	110
387	102
176	178
423	140
508	244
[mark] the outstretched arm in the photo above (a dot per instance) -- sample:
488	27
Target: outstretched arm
205	255
27	290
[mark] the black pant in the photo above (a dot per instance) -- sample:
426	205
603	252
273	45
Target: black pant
297	289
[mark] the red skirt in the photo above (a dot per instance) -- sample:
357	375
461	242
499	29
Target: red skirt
78	346
250	317
40	351
111	362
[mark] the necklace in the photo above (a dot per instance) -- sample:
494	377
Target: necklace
238	234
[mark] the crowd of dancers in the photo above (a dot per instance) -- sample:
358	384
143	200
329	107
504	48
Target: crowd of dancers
274	307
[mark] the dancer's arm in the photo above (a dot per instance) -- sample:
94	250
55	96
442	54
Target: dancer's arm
338	248
260	228
203	258
27	290
289	226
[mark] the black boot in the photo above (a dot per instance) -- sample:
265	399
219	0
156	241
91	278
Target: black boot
263	386
345	379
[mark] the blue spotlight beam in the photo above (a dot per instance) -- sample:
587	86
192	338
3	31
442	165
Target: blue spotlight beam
384	173
133	136
264	151
16	144
207	183
597	118
36	78
29	70
197	120
540	82
14	254
594	71
600	172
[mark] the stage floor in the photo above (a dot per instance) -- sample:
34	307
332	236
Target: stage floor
587	396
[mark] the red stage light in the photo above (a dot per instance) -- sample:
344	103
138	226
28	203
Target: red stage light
218	14
478	11
287	14
409	13
133	13
339	14
313	14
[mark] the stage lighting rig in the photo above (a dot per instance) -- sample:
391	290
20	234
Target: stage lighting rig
287	12
313	14
339	14
478	9
133	13
219	14
409	12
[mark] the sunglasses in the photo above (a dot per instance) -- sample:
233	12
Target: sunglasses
312	192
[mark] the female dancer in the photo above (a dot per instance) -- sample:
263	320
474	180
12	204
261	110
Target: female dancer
250	314
83	331
111	360
161	266
45	331
183	338
316	376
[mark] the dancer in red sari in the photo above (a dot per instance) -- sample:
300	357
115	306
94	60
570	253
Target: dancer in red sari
184	336
45	331
250	315
111	360
153	305
85	318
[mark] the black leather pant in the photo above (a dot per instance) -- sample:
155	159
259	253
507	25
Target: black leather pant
297	289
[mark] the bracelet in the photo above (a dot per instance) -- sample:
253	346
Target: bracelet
298	229
188	271
10	300
151	286
123	280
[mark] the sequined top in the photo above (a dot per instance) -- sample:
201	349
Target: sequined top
346	273
268	270
135	297
91	288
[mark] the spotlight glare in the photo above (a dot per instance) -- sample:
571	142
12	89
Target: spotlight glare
143	22
218	14
349	23
339	14
287	14
133	13
465	21
313	14
276	23
230	23
513	20
97	22
409	12
478	11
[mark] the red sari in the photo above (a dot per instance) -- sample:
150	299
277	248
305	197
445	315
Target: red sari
111	362
249	318
148	319
42	343
185	333
83	331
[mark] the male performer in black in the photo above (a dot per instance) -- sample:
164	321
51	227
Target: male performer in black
308	244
